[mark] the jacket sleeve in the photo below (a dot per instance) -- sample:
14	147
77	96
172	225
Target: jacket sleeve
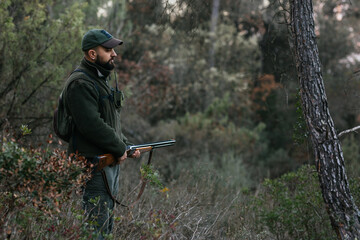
82	100
126	141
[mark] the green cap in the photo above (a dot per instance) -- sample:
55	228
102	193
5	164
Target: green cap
96	37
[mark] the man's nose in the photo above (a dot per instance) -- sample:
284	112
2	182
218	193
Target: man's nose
113	53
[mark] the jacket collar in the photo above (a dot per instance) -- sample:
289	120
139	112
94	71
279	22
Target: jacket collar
96	69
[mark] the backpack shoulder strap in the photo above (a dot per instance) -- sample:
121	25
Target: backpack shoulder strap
102	97
98	90
88	76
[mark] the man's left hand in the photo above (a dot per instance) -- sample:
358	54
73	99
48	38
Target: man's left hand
136	154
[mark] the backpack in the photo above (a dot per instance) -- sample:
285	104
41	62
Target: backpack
62	120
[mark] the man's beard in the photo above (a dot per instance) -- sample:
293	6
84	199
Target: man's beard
107	65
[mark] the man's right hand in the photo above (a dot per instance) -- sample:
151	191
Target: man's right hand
121	159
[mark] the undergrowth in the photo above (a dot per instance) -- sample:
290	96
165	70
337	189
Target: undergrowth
40	198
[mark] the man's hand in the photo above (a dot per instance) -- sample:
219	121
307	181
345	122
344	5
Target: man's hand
121	159
136	154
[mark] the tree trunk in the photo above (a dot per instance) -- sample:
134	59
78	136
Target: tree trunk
213	27
343	212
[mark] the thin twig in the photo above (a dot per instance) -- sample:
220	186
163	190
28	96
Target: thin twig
348	131
197	226
49	77
222	213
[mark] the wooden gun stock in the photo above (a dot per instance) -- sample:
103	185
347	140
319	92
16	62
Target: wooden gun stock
105	160
109	160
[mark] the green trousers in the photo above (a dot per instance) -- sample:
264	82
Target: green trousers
98	205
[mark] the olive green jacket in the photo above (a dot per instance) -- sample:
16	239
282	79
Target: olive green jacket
97	128
97	119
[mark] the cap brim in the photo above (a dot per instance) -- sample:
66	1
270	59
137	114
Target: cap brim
112	43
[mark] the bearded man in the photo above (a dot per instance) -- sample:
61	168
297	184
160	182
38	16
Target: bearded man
95	110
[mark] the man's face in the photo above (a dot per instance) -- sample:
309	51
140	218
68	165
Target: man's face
105	57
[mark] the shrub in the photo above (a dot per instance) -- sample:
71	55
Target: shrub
291	207
36	184
199	204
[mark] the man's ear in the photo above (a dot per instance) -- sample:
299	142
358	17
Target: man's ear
92	54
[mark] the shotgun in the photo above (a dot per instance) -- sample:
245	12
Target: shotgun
108	159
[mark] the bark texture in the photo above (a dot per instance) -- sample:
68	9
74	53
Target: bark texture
343	212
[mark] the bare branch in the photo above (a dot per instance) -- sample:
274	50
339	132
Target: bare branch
14	82
348	131
49	77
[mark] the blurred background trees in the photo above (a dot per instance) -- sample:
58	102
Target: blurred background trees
220	79
219	72
35	60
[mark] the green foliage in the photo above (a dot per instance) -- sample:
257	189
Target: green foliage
331	35
198	203
226	144
35	56
190	85
35	184
21	171
149	174
351	152
25	130
291	207
236	53
212	134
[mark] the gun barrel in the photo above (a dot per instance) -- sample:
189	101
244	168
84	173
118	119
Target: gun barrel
108	159
154	144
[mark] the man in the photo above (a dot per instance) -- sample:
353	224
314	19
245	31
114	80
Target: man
95	109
